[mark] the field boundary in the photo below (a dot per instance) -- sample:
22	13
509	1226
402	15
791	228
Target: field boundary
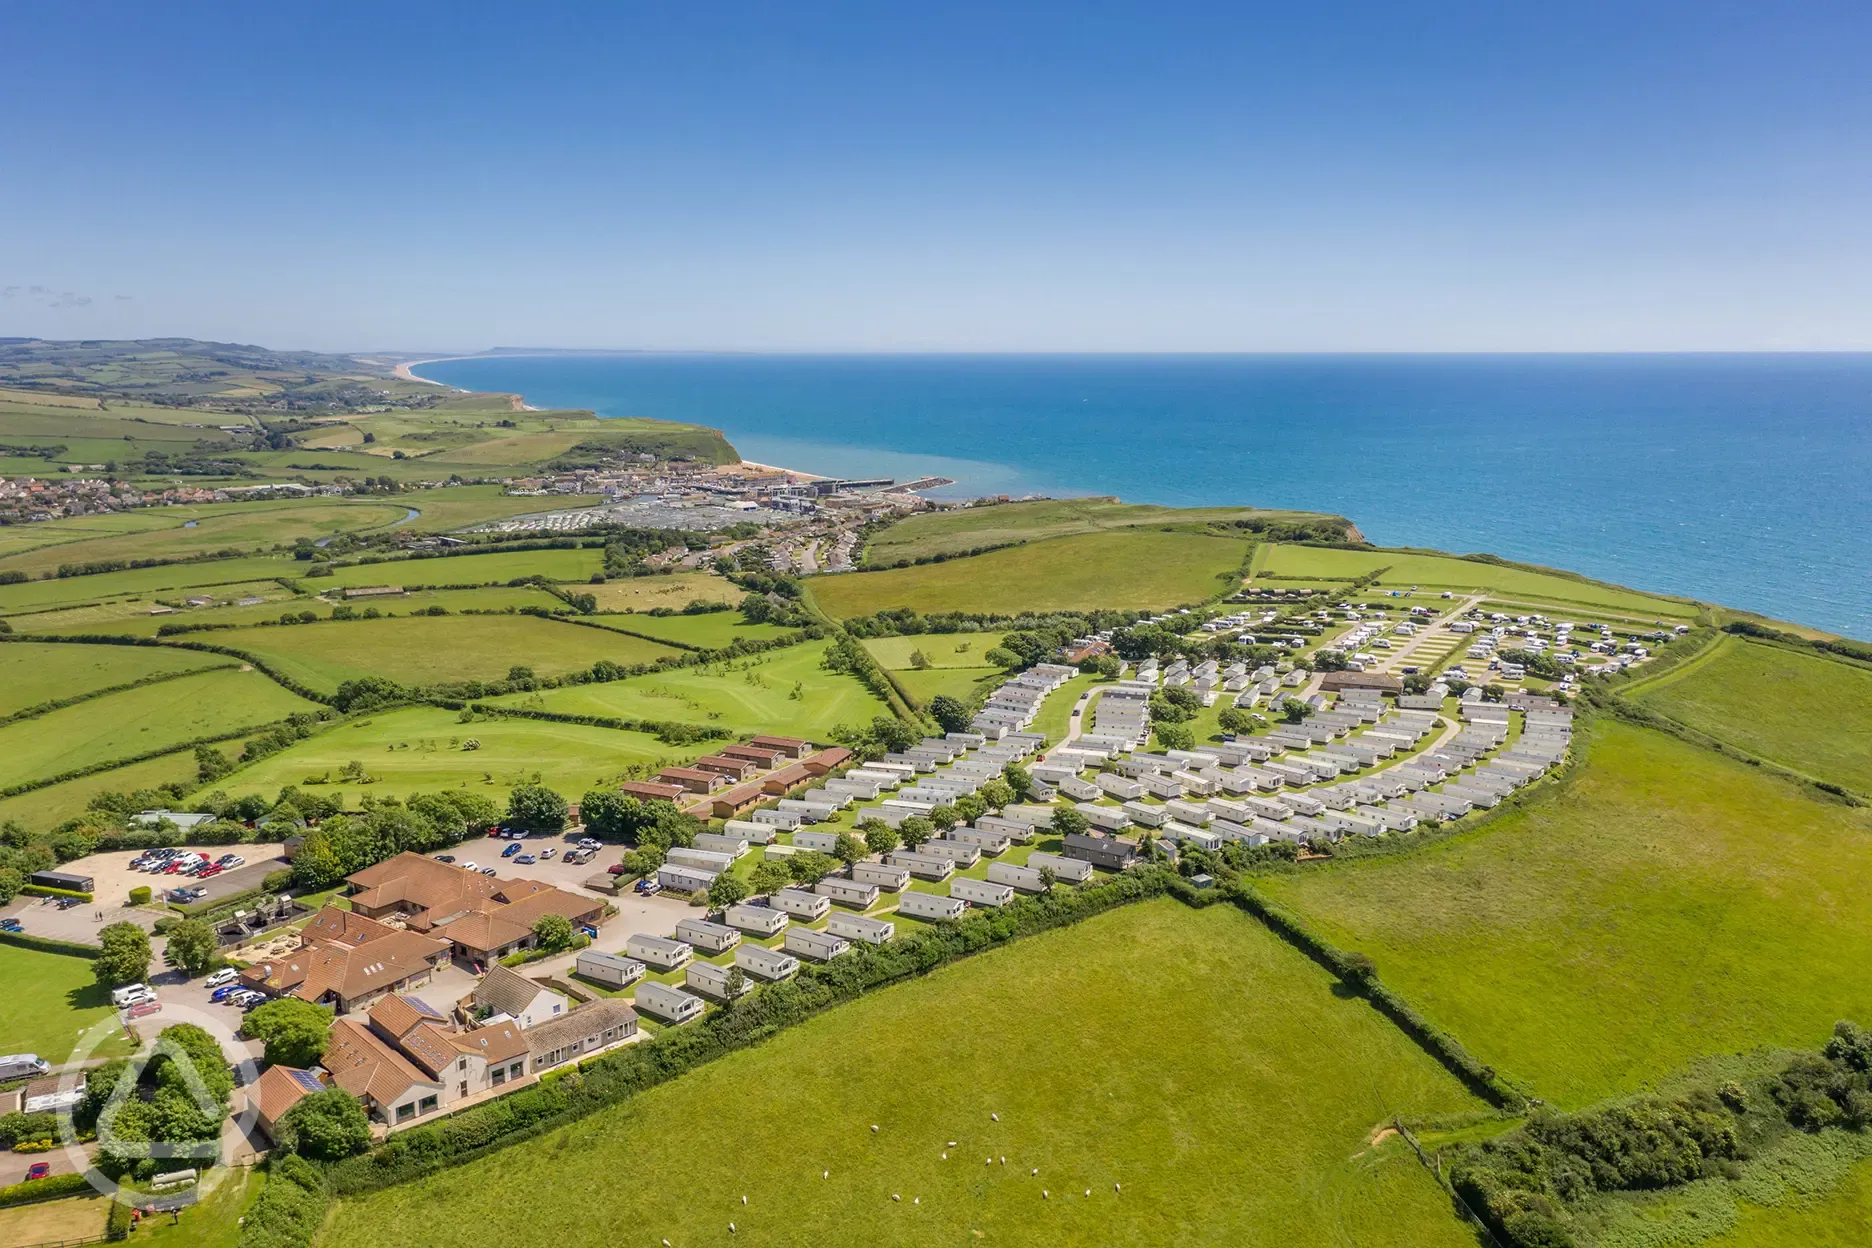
59	704
30	786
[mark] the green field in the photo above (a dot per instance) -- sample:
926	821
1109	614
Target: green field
219	526
496	568
1841	1218
1156	1048
1448	572
1670	904
71	591
751	695
42	809
32	674
419	749
1809	713
132	618
1131	569
713	631
957	682
51	1000
940	649
138	721
674	590
970	528
431	649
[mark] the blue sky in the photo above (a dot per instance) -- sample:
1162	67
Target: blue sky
806	176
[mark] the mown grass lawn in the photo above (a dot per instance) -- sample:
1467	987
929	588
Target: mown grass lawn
1448	572
32	674
138	721
713	630
1188	1058
145	583
42	809
425	650
494	568
939	649
1131	568
784	691
1808	713
52	999
957	682
420	750
1669	905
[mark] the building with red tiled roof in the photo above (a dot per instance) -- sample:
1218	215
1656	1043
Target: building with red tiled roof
481	917
827	760
651	791
277	1090
729	803
778	782
792	747
350	977
693	779
733	768
763	755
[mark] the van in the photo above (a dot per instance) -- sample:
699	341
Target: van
226	975
23	1066
131	994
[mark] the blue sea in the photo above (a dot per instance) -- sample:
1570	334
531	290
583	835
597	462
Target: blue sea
1741	479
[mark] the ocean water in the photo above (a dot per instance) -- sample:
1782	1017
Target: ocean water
1745	480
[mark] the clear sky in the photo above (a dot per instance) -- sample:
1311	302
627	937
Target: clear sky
884	176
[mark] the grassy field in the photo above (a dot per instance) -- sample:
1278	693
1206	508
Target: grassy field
674	590
241	526
430	649
970	528
496	568
32	674
419	749
137	721
712	631
132	618
1139	568
72	591
1670	904
213	1223
753	695
1155	1048
51	1000
941	649
79	1219
1808	713
1447	572
1842	1218
42	809
957	682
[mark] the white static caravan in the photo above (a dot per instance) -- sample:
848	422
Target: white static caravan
819	946
1161	786
959	852
666	1004
757	920
608	968
854	893
701	859
680	879
930	906
858	927
1193	784
801	904
1016	831
713	981
824	842
890	879
749	831
714	937
876	775
1119	787
764	963
1193	813
1033	816
658	951
717	842
785	820
923	866
986	839
981	892
857	790
1071	870
1021	879
777	852
1146	814
808	812
1079	790
1107	818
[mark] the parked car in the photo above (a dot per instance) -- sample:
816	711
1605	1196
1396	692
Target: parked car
247	998
487	870
526	860
471	866
11	925
143	1009
616	868
38	1170
130	994
225	991
445	857
546	853
516	834
648	887
226	975
510	851
233	860
587	842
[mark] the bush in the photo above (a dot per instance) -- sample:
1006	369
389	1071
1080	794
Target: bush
141	895
49	1188
293	1031
325	1126
289	1210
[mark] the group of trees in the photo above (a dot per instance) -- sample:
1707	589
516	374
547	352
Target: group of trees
344	843
179	1097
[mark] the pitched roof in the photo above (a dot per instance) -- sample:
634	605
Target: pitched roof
507	990
420	882
316	969
279	1088
395	1015
334	925
502	921
499	1042
364	1065
581	1024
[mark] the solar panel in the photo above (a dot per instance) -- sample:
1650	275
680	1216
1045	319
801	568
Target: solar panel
423	1007
307	1080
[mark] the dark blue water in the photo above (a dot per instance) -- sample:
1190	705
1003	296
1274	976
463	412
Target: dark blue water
1745	480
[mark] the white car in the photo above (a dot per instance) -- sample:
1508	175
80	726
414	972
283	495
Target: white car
246	1000
226	975
469	866
132	994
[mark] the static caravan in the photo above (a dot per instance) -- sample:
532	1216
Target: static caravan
608	968
785	820
1109	818
808	812
1174	831
716	842
1071	870
714	981
701	859
923	866
764	963
857	790
1035	816
1145	813
879	776
883	875
858	927
1302	803
987	840
1022	879
824	842
854	893
819	946
981	892
930	906
777	853
1161	786
1189	812
658	951
714	937
757	920
1194	784
680	879
1079	790
959	852
1016	831
748	830
801	904
1119	787
666	1004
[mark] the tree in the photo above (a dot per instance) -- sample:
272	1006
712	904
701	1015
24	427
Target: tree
920	661
768	876
193	947
1234	719
951	713
970	807
11	882
880	838
126	955
849	849
1293	710
1001	656
1176	736
552	931
293	1031
643	860
944	817
810	865
325	1126
997	793
612	816
727	890
915	830
1067	821
1019	779
536	808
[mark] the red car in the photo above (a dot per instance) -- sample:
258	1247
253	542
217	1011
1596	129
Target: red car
39	1170
143	1009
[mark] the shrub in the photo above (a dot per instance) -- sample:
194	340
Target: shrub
141	895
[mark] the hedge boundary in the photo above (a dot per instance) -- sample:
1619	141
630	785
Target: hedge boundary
59	704
45	944
52	1187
